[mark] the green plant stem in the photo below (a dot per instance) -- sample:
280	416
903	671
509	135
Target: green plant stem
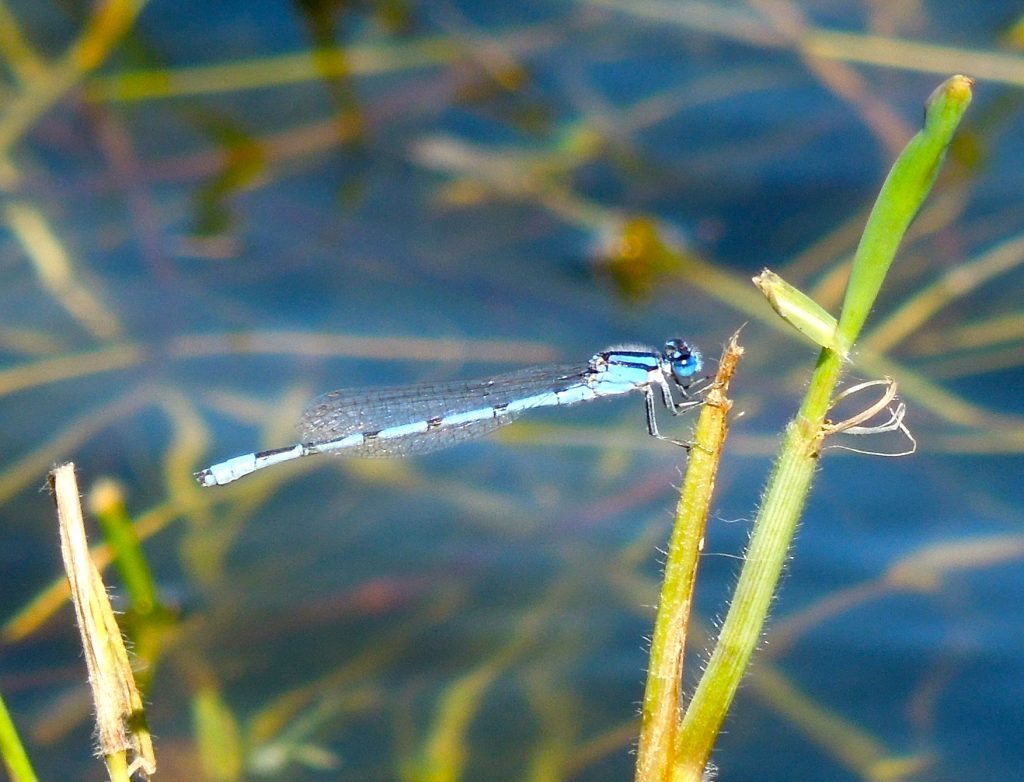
901	196
16	761
117	767
660	717
106	501
763	562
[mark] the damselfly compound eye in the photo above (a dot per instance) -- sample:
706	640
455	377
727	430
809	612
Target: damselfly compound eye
684	361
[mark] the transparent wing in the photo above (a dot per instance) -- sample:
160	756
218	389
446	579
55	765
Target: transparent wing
338	414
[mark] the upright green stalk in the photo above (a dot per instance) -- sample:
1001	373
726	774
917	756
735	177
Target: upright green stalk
12	751
901	196
659	724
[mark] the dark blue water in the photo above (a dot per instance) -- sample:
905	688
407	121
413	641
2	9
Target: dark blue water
244	259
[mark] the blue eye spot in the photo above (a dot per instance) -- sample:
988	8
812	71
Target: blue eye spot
684	360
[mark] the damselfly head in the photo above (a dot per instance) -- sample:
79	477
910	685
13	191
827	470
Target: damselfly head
683	360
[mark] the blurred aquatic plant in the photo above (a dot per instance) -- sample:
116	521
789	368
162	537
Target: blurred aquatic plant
12	750
245	161
638	254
